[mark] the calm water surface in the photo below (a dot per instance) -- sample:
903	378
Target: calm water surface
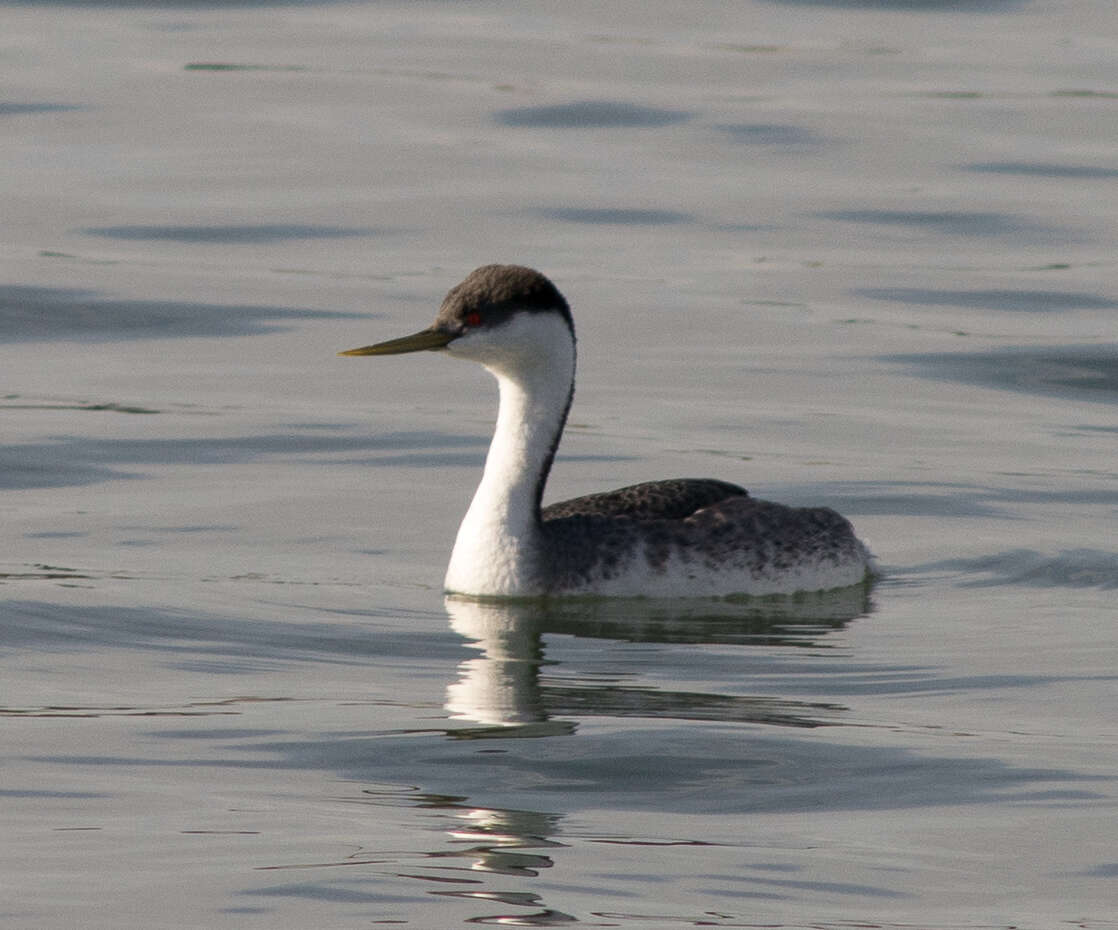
850	252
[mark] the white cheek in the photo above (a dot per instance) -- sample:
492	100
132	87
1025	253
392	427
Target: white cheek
522	341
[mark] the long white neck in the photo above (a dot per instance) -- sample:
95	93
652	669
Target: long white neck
497	551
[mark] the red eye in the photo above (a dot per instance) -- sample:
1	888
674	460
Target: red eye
473	319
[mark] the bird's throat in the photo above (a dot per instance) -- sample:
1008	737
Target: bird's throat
498	547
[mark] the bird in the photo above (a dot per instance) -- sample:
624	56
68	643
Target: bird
681	537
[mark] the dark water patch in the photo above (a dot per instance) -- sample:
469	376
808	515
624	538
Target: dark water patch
37	466
620	217
591	114
13	402
326	427
776	135
950	222
992	299
1087	428
70	256
425	460
117	408
86	711
914	6
754	227
916	682
215	733
1085	92
460	459
240	449
72	461
1088	373
199	528
42	572
820	887
1044	170
938	499
1104	870
168	4
229	643
44	794
747	49
8	108
951	94
335	891
264	233
230	66
43	314
1070	568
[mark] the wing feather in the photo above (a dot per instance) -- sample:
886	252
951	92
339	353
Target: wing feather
673	499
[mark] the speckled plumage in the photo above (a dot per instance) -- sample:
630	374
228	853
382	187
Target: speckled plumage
681	537
708	532
671	499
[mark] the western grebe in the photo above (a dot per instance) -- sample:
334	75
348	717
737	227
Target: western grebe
684	537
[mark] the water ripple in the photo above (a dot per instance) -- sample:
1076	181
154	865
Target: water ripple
1071	568
591	114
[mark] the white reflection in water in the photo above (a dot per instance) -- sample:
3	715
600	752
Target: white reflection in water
503	687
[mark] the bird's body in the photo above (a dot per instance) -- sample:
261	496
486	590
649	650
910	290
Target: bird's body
675	538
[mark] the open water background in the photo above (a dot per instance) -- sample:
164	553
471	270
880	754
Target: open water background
851	252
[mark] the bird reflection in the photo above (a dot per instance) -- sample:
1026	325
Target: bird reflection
496	841
506	692
485	841
511	690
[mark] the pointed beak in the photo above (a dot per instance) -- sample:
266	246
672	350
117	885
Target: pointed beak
425	339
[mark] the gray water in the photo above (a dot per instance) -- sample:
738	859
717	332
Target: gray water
858	253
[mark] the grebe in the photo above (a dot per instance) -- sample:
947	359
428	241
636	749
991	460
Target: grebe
684	537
